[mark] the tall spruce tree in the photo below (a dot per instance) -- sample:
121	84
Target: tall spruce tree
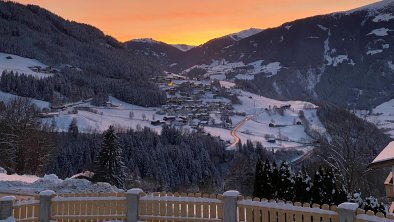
73	128
302	188
110	166
259	179
286	182
317	188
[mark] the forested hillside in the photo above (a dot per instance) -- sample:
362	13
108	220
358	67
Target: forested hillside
88	59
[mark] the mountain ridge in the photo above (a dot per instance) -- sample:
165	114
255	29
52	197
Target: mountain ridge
101	61
341	57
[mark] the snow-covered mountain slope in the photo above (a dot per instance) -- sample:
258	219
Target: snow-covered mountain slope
183	47
5	97
373	8
244	33
382	116
18	64
223	69
346	58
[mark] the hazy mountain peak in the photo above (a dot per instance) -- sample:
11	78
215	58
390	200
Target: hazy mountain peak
244	34
146	40
183	47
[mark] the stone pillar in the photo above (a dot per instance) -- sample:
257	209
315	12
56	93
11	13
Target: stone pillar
133	198
347	212
230	205
45	205
6	207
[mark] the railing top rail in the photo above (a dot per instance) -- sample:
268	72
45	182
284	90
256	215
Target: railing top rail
98	198
285	206
373	218
151	197
26	202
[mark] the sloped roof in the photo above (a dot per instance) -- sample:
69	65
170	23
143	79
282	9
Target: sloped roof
385	158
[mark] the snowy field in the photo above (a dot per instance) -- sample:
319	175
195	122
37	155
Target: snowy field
382	116
7	97
219	69
289	135
106	116
20	64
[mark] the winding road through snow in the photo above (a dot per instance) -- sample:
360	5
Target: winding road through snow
233	145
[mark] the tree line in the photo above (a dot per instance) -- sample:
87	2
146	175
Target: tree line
71	87
282	183
91	63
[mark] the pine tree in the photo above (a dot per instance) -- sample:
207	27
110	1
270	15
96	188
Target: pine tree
286	183
259	180
73	128
317	188
329	187
110	165
268	188
302	186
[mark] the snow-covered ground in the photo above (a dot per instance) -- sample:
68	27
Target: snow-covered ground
21	65
219	69
28	184
382	116
106	116
289	135
7	97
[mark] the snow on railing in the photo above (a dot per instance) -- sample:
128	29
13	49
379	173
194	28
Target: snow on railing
278	211
26	210
184	207
69	199
289	206
370	216
180	199
26	202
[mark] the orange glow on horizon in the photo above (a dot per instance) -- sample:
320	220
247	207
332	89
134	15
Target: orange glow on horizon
190	22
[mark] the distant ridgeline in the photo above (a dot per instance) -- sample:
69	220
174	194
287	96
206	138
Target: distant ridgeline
345	58
102	64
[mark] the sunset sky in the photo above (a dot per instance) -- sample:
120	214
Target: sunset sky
188	21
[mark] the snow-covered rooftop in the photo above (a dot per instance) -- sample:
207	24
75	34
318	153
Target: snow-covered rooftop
385	158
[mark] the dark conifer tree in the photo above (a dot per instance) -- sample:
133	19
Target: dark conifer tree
302	187
275	180
259	180
268	189
73	128
110	166
317	188
286	183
